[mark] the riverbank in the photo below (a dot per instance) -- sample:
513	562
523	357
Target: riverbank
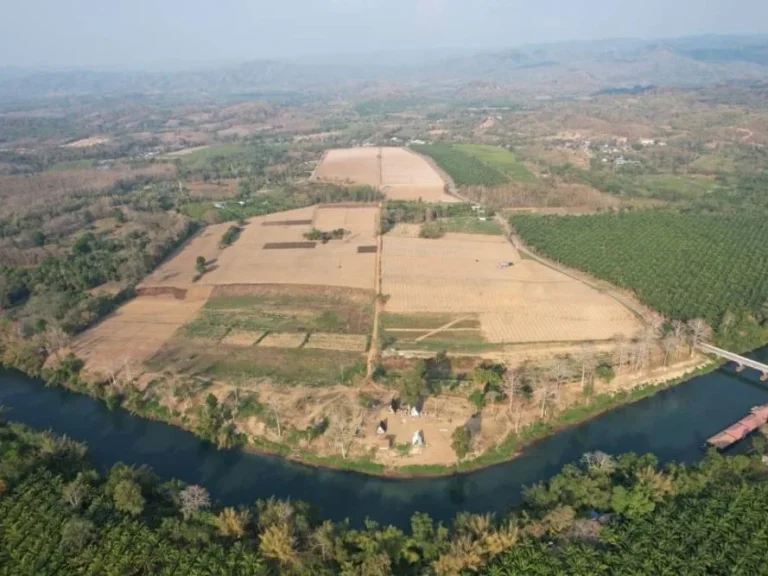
672	423
504	451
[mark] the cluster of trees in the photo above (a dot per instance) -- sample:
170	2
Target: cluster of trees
464	168
605	515
683	265
229	237
395	212
325	237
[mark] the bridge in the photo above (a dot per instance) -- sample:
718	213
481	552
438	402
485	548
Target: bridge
741	361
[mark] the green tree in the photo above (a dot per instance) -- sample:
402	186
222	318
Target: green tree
76	533
461	441
128	498
200	265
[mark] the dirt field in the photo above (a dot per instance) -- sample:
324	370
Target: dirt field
336	263
398	172
179	271
136	331
527	302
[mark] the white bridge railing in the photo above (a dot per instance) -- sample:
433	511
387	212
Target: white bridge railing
741	361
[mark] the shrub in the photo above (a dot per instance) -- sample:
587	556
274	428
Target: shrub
432	230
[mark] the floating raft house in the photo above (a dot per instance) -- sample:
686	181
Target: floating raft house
756	418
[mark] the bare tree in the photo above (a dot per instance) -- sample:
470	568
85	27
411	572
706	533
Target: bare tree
620	351
599	461
344	426
55	338
544	390
699	330
588	359
513	388
557	371
670	344
276	414
193	499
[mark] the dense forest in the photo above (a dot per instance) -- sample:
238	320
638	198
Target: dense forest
683	265
603	515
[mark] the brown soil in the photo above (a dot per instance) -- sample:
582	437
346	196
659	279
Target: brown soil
398	172
526	302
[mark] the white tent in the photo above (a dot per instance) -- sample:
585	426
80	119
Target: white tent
418	438
415	412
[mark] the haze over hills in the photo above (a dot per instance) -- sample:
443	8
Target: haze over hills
555	70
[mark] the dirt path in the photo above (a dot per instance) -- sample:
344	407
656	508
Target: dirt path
438	330
373	352
518	245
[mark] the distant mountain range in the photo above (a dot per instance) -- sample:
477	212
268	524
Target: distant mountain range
551	70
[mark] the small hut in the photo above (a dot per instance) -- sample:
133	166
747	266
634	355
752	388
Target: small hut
418	438
415	412
381	429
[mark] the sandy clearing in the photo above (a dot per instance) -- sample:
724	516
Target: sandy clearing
527	302
336	263
282	340
322	341
398	172
134	332
87	142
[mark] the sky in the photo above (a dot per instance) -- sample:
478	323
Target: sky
183	33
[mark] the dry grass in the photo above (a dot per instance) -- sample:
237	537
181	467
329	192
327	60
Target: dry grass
227	188
133	333
398	172
283	340
527	302
242	338
353	342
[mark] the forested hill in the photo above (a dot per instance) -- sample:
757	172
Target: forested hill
570	68
608	515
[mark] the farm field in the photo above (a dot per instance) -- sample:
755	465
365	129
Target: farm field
337	263
459	277
465	169
261	309
179	270
135	332
718	263
501	159
398	172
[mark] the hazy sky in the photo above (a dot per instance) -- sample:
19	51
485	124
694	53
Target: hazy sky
138	33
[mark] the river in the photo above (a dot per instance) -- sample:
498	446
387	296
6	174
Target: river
672	424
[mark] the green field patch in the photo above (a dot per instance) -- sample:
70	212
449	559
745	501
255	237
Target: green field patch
471	225
678	187
414	321
464	168
281	313
501	159
200	159
289	366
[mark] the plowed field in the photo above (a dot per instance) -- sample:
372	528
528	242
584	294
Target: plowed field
526	302
398	172
134	332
